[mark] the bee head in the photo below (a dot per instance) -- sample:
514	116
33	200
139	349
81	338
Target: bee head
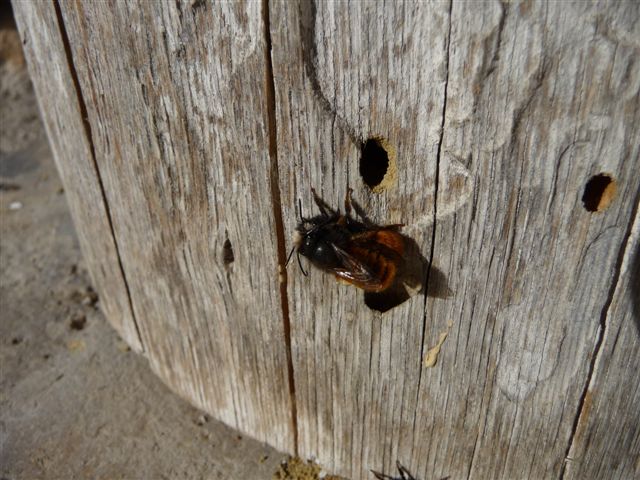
306	237
312	240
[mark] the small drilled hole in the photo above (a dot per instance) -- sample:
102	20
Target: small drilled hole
227	253
377	164
599	192
78	322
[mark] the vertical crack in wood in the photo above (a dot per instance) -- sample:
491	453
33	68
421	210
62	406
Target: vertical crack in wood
270	92
601	334
435	211
88	133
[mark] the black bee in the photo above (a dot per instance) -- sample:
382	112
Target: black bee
357	252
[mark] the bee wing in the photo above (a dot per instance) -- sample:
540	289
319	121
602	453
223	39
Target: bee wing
387	238
356	271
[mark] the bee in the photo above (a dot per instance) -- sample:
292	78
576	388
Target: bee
357	252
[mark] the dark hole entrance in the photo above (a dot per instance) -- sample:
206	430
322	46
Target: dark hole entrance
227	253
598	193
374	162
78	322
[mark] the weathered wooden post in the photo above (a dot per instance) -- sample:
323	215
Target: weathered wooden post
503	135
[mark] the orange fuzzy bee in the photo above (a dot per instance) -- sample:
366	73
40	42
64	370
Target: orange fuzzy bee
358	252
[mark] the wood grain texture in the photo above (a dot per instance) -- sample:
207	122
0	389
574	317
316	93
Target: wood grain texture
61	112
607	435
542	96
495	116
539	97
175	98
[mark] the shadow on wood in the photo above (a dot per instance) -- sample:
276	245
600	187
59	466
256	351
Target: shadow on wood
414	277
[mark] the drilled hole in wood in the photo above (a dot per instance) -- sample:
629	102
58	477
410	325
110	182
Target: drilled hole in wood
599	193
227	253
78	322
377	164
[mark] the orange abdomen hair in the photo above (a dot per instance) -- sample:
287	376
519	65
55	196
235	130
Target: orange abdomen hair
383	267
391	239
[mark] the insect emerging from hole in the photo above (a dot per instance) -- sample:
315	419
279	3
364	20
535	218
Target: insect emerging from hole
360	253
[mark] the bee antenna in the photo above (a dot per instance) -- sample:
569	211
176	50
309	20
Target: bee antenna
300	265
289	257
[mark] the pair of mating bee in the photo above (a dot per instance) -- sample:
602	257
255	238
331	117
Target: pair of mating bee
360	253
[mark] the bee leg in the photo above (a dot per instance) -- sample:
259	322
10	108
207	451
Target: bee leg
325	209
360	212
